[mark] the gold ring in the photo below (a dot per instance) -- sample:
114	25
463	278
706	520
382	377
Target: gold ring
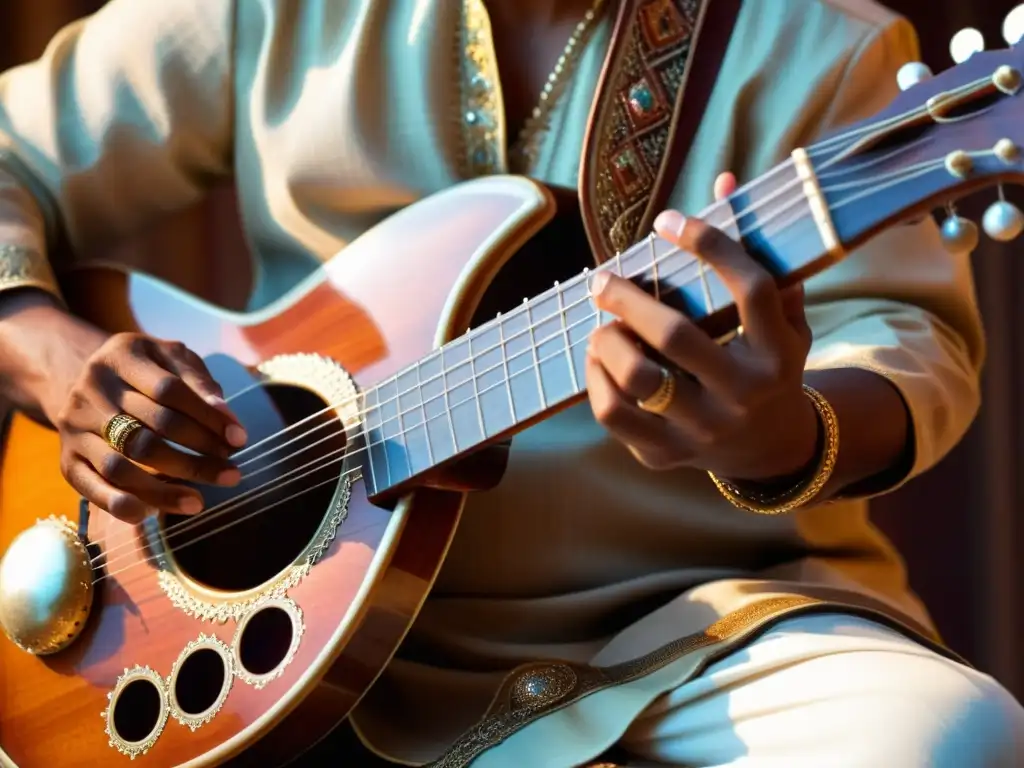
119	429
662	398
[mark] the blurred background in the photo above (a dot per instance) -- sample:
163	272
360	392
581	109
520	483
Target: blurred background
957	526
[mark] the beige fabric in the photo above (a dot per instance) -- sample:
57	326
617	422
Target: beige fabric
330	115
816	691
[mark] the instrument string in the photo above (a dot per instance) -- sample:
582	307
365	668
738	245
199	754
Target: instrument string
506	339
479	353
813	150
570	283
255	493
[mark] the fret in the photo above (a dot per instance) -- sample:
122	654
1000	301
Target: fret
423	415
565	339
519	351
450	399
551	346
598	313
533	351
491	375
370	437
447	403
508	377
576	321
412	420
384	434
432	393
709	300
654	266
476	388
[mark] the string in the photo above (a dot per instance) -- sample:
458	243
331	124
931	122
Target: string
479	330
362	412
575	281
211	514
812	150
419	385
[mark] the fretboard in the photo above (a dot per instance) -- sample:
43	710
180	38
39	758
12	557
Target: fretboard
527	364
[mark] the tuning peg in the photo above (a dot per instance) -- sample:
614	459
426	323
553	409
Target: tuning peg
911	74
966	43
959	235
1013	25
1003	221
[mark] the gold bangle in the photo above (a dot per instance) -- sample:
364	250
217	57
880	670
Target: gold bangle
805	491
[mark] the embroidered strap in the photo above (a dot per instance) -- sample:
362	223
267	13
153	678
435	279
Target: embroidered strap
641	125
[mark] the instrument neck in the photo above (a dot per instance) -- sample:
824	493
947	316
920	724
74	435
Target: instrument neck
527	364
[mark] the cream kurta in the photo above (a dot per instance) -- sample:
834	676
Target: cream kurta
331	115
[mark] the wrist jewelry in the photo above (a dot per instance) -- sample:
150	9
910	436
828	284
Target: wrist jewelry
799	495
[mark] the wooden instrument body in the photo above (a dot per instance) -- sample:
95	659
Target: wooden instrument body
391	297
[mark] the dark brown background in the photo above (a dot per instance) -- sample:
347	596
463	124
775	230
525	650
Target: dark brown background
957	525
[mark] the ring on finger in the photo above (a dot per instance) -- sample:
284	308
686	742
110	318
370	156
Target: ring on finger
661	400
119	429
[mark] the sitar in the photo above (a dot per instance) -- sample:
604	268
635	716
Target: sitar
248	632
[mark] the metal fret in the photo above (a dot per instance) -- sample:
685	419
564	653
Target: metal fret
447	404
709	302
423	411
504	365
565	336
654	265
476	391
533	352
368	437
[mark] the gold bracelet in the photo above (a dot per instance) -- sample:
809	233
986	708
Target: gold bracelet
805	491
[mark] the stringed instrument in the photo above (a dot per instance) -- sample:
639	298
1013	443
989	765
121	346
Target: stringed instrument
357	389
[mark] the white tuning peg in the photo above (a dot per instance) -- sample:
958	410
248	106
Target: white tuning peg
1003	221
959	235
1013	25
911	74
966	43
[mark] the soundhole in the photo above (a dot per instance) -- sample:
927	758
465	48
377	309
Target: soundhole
248	534
137	711
265	641
200	681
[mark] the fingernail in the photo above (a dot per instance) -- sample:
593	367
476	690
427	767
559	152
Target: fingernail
235	435
599	282
229	477
190	505
670	223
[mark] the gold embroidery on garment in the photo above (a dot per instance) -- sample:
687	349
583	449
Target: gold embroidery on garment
483	130
483	127
539	689
24	267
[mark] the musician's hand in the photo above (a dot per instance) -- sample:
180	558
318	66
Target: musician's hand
738	410
166	387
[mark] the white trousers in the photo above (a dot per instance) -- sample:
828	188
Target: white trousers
817	691
832	691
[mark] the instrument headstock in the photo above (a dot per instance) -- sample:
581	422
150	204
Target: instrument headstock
943	137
